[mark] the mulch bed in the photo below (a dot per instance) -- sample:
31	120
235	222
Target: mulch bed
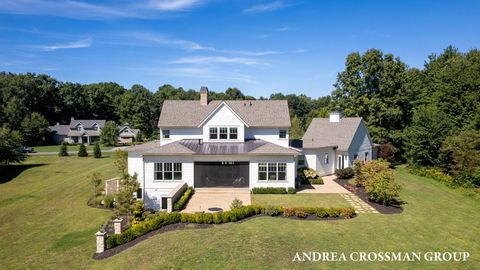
181	226
362	194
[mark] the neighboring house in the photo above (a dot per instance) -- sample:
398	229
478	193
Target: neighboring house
204	144
79	131
127	134
335	142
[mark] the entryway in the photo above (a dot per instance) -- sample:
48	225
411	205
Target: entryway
213	198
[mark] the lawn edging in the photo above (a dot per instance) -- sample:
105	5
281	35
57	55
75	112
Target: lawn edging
161	222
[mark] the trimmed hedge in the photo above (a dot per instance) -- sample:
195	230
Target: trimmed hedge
344	173
180	204
269	190
307	176
162	219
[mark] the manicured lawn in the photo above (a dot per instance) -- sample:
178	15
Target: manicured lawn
46	224
314	200
56	148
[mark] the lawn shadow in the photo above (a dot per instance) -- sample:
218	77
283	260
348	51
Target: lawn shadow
8	173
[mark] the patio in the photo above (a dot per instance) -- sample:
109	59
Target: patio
214	198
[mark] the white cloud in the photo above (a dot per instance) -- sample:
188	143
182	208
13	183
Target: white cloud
266	7
84	43
172	5
206	60
163	40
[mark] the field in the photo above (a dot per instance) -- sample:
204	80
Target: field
46	224
56	148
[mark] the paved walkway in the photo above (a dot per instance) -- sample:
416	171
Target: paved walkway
357	203
329	186
205	198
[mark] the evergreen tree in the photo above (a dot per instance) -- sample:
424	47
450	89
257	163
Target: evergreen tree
97	153
63	150
82	151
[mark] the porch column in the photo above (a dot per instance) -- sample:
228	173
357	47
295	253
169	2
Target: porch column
88	139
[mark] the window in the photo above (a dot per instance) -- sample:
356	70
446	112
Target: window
262	171
166	134
326	158
223	133
355	156
366	156
168	171
272	171
233	133
282	134
139	193
164	203
79	127
213	133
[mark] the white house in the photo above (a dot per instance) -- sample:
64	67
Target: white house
234	143
335	142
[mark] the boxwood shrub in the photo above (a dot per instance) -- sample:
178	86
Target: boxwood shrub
162	219
344	173
180	204
269	190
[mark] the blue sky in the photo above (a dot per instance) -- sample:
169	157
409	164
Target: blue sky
261	47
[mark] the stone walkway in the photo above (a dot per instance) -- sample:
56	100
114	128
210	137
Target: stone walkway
357	203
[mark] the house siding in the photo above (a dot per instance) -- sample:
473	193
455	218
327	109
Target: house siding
315	159
267	134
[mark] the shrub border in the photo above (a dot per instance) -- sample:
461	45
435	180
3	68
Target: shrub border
180	203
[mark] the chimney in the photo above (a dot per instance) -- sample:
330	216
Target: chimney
71	118
58	123
203	96
335	117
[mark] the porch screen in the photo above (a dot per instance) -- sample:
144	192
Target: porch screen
221	174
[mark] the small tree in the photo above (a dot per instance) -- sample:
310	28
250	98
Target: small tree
121	161
236	203
82	151
96	181
10	142
97	153
378	180
63	150
125	197
109	134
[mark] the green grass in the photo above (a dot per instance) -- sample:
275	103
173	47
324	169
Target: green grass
56	148
313	200
47	225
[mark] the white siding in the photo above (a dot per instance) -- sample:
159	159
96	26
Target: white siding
224	117
177	134
291	172
135	165
361	144
315	159
267	134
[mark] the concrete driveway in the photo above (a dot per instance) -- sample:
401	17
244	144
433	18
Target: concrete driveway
205	198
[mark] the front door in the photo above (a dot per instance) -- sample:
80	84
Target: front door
221	174
340	164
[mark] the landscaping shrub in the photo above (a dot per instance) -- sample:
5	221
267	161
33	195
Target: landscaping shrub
180	204
344	173
316	181
378	180
162	219
97	153
63	150
435	174
82	151
269	190
291	190
138	212
108	201
309	176
236	203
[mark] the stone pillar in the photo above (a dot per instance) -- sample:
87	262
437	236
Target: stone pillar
117	225
169	205
101	237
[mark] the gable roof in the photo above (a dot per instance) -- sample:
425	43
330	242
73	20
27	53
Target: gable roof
323	133
87	122
255	113
60	129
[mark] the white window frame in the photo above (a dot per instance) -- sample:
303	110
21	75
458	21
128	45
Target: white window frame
229	130
210	129
266	167
326	157
280	133
366	156
174	168
166	134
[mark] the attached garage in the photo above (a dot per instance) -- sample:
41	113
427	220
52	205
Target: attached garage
221	174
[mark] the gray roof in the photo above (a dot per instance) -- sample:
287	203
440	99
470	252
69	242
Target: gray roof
73	133
132	132
323	133
60	129
255	113
197	147
87	122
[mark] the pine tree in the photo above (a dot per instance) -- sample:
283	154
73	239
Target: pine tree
82	151
97	153
63	150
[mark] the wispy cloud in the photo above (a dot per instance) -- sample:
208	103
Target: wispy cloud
266	7
163	40
206	60
84	43
172	5
85	10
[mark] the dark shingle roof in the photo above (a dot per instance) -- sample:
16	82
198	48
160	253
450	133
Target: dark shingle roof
323	133
87	123
197	147
255	113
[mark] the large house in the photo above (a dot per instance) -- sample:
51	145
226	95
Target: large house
336	142
88	131
204	144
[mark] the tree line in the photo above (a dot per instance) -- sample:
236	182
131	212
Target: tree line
411	112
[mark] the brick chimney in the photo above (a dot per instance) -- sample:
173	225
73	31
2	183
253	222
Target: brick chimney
204	96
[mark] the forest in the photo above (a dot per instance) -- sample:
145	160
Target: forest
426	117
